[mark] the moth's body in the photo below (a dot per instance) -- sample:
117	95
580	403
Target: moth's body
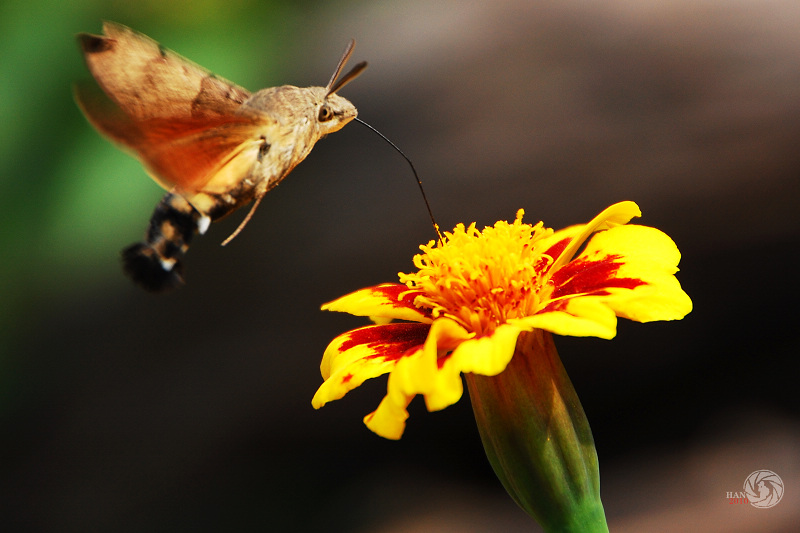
288	129
214	146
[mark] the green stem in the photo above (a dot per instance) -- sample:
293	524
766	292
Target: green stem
538	440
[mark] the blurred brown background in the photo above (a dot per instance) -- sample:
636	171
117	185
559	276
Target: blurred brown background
124	411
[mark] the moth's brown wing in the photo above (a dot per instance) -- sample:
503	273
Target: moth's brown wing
182	152
197	156
148	81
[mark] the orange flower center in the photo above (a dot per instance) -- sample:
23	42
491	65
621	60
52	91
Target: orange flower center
481	279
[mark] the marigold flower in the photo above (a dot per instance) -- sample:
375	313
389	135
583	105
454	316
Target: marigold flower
476	291
482	301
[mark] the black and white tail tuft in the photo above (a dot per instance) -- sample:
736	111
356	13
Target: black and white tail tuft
156	263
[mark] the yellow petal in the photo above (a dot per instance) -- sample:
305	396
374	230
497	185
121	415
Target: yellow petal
626	271
364	353
651	256
389	419
421	372
409	375
488	355
381	302
425	374
555	243
581	316
611	217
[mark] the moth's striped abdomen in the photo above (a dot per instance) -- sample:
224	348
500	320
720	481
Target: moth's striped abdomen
156	263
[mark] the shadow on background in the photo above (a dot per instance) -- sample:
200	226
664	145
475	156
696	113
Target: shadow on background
123	411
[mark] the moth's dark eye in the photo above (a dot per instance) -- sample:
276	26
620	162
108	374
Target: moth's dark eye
325	113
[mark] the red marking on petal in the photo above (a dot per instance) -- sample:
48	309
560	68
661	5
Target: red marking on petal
393	292
584	276
390	341
558	305
346	378
555	250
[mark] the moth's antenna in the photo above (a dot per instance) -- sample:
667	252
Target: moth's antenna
347	78
348	51
333	85
414	170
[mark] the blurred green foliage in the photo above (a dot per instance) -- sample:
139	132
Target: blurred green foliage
70	200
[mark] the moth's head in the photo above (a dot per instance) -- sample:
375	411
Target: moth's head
318	109
333	111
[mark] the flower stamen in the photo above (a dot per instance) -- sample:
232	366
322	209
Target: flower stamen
481	279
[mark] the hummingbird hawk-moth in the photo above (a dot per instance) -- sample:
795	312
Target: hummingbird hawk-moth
214	146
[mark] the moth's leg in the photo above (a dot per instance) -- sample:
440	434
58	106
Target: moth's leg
156	263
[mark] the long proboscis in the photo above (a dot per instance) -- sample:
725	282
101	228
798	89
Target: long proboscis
414	170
